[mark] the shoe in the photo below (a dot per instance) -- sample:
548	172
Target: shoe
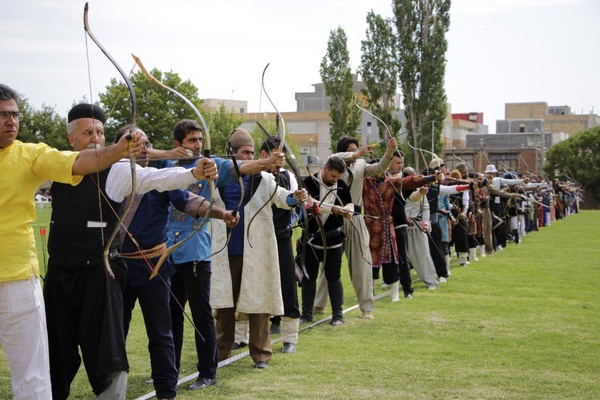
395	298
442	279
261	365
409	296
202	383
289	348
431	287
337	322
318	310
462	264
384	285
305	318
275	329
237	346
367	315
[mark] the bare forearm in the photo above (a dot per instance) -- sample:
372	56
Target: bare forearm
254	166
91	160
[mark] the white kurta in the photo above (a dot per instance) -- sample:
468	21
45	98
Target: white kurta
260	291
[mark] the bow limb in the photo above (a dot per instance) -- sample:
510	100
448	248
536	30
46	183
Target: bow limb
112	237
236	209
281	132
292	163
206	153
279	116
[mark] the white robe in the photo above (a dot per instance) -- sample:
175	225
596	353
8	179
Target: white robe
260	291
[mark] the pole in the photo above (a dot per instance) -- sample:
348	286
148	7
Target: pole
433	137
543	147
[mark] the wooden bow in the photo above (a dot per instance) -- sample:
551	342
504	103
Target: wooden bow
206	153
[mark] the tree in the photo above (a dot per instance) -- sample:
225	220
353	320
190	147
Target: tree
577	158
379	71
221	123
421	26
339	85
158	110
43	125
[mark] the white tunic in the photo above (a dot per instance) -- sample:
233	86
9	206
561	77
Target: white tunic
260	291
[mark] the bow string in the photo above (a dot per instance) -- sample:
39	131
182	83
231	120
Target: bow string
131	157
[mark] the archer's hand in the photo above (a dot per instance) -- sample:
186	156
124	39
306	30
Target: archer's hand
301	195
132	147
206	169
230	219
439	176
368	149
179	152
275	161
392	144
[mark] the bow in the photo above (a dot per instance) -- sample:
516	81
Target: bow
206	153
281	132
292	163
235	210
131	157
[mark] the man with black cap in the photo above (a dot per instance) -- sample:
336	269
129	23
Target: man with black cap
84	299
25	166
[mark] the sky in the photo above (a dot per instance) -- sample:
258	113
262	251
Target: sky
499	51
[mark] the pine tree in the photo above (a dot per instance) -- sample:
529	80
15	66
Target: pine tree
421	26
339	85
379	71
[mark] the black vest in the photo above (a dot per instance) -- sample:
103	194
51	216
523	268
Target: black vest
281	217
333	222
71	242
432	197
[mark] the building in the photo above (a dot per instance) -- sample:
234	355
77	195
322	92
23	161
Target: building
555	119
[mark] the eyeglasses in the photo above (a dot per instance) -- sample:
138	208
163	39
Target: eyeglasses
5	115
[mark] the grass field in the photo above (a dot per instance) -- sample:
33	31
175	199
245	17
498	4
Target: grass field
522	324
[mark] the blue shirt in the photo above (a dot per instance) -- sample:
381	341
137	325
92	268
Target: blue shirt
231	198
182	225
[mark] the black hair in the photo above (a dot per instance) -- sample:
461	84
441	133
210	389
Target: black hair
398	153
269	145
183	127
6	93
336	164
343	143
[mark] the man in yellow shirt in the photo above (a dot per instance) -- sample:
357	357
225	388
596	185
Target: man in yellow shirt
25	166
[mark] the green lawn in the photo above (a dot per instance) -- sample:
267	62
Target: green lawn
522	324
